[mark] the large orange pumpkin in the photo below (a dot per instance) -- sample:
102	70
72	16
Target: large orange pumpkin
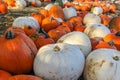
4	75
24	77
56	12
17	52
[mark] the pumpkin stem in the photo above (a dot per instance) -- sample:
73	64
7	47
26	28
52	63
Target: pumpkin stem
116	58
29	27
111	43
118	33
60	3
9	34
56	48
43	31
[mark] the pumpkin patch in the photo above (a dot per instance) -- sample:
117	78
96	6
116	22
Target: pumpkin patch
59	40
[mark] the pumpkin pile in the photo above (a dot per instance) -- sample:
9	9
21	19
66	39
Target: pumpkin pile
77	40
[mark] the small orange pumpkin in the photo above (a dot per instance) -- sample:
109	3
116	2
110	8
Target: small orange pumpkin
25	77
49	23
113	37
105	19
3	8
44	12
69	24
29	30
41	41
62	27
112	8
57	12
4	75
39	17
115	23
75	20
56	34
103	44
80	28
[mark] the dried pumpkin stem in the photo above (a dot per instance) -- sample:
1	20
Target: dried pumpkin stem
116	58
56	48
9	34
111	43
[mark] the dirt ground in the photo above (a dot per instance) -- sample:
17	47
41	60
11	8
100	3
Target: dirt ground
7	19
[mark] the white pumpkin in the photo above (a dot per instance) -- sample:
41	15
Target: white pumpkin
38	2
91	18
59	61
95	30
21	22
48	6
97	10
19	4
77	38
102	64
69	12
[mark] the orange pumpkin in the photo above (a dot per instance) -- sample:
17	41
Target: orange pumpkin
105	9
41	41
69	24
62	27
17	52
115	23
29	30
112	8
113	37
4	75
33	4
57	12
10	3
25	77
56	34
103	44
44	12
80	28
75	20
49	23
39	17
105	19
3	8
82	13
